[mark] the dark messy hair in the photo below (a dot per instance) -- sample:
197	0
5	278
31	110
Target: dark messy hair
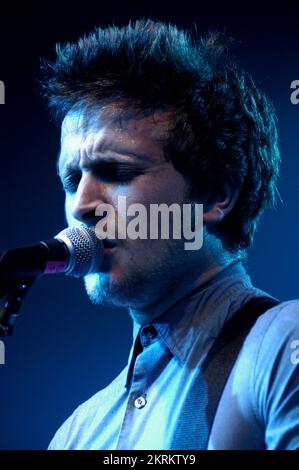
224	128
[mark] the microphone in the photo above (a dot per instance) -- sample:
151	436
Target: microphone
75	251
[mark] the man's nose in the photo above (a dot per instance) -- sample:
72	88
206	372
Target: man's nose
90	193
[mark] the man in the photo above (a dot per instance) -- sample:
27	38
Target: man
152	115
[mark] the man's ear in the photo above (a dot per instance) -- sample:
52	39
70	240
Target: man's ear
214	212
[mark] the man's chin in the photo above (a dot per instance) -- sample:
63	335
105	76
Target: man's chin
98	288
102	288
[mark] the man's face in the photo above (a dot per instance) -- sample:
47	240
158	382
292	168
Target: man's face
103	158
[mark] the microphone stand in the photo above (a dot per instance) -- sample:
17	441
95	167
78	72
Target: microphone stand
12	294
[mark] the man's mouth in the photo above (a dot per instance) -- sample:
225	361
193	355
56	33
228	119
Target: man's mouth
109	246
108	243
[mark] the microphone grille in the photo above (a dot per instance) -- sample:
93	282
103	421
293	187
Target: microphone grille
86	250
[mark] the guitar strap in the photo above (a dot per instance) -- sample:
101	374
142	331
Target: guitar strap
224	352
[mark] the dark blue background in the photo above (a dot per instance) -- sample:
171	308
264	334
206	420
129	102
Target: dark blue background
64	349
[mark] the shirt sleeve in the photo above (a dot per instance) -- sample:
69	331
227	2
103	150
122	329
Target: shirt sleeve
275	377
60	439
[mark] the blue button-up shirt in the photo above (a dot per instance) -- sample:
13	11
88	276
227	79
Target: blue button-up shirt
158	401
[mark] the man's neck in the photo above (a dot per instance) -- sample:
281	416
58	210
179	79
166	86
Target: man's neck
176	293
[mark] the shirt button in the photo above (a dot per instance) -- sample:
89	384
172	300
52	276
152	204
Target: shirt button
147	335
140	402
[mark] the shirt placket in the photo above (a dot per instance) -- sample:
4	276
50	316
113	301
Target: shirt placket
136	409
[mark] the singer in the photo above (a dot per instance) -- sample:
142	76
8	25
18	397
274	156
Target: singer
149	112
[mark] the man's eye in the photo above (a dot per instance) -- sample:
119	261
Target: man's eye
120	178
71	182
118	174
109	174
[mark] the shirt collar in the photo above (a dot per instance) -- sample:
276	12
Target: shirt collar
199	317
195	320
